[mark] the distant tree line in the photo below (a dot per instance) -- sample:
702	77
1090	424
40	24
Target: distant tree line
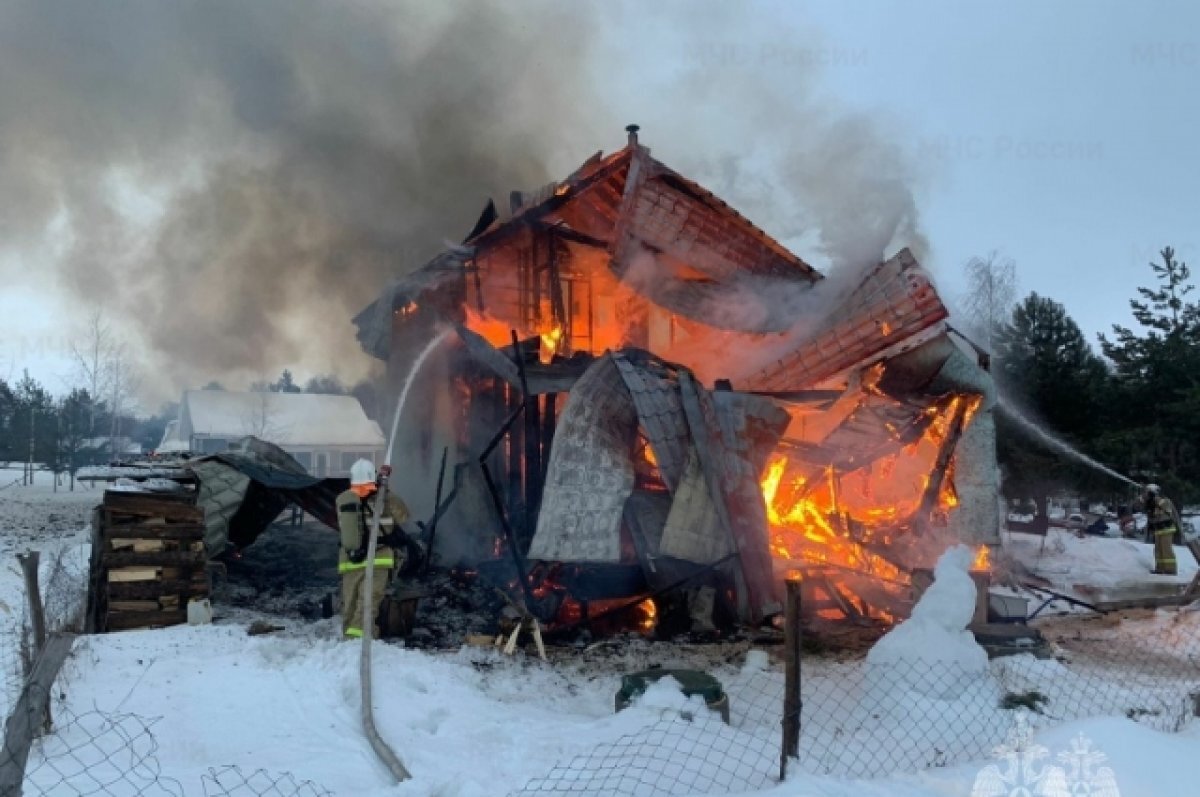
1135	405
364	390
67	432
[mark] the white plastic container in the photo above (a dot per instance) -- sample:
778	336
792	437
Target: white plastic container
199	611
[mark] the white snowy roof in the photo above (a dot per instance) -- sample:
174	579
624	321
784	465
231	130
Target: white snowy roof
286	419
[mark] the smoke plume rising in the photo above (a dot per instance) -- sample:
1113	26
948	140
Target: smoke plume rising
233	181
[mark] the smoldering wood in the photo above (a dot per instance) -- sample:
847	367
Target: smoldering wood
700	572
574	236
437	511
509	537
557	305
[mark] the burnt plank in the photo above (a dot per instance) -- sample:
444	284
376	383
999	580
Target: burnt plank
125	621
124	590
164	558
145	531
142	505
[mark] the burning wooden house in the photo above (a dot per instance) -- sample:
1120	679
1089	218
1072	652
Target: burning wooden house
648	397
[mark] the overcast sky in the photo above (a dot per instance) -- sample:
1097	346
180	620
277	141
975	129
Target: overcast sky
1062	134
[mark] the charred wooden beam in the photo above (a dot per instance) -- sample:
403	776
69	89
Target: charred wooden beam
533	465
437	510
549	419
574	236
942	464
509	537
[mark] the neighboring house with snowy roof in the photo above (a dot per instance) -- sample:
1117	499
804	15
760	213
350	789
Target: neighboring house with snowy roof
171	442
111	447
325	433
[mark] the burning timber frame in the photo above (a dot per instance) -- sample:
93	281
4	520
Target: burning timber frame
605	289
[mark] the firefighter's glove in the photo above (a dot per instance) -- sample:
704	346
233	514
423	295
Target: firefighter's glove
357	555
414	557
394	539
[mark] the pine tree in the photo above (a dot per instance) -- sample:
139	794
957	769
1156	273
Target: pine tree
35	426
8	410
1046	368
1045	362
76	413
285	384
1156	407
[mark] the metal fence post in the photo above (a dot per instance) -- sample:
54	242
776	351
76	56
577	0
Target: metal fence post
791	689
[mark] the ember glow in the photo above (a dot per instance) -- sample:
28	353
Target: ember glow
647	614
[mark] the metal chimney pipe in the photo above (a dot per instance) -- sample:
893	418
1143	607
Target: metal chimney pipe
632	130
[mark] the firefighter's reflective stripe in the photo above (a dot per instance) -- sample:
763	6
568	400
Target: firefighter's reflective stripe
346	567
353	631
1164	551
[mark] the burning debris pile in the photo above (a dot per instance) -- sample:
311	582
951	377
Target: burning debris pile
846	436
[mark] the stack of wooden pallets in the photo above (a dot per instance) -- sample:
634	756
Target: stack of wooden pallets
148	560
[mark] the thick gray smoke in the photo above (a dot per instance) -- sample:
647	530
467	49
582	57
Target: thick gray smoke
236	179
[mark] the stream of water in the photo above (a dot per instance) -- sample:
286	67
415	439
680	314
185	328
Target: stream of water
1059	444
408	381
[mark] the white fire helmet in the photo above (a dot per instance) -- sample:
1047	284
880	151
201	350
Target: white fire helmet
362	472
1153	489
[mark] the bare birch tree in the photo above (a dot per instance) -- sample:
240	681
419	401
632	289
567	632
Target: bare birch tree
122	383
91	355
260	420
990	296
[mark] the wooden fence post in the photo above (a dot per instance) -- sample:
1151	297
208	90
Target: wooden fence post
791	689
29	566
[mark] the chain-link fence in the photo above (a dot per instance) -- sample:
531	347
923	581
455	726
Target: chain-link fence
96	753
232	781
865	720
116	755
688	750
861	719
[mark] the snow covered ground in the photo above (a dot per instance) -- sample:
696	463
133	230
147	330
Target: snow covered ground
184	703
1097	568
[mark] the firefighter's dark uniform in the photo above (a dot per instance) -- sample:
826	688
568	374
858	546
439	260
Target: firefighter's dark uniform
1163	523
354	522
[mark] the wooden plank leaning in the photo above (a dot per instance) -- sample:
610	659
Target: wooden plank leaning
30	710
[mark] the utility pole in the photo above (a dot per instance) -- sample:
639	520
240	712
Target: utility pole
32	432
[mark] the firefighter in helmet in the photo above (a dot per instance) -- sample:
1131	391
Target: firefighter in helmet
355	509
1163	523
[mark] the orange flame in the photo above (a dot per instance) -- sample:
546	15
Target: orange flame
648	454
982	559
551	339
492	329
648	612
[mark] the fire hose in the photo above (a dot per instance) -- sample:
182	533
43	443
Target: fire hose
386	754
381	747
